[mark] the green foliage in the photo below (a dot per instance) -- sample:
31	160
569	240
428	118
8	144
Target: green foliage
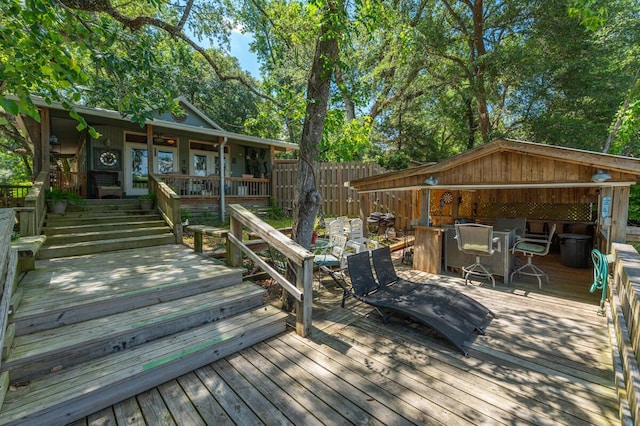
149	196
344	140
395	160
275	212
185	214
13	170
57	194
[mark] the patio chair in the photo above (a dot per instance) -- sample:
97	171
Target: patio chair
476	240
357	240
336	227
107	184
425	303
386	275
530	247
334	255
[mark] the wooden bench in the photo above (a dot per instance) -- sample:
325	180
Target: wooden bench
200	230
27	248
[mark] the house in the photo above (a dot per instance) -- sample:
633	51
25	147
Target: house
200	161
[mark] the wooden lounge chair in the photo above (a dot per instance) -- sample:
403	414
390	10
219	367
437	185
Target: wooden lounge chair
439	308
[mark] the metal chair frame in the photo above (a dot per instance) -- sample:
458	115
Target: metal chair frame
477	240
530	247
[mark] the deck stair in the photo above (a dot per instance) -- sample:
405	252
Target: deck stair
112	325
103	225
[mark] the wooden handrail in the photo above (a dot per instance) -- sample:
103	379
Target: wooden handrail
300	258
168	204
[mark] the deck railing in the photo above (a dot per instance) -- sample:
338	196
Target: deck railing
299	258
209	186
8	268
69	181
13	195
33	212
168	204
624	295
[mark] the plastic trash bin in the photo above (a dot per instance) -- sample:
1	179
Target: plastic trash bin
575	250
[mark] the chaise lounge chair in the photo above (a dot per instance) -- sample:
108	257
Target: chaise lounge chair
467	307
450	313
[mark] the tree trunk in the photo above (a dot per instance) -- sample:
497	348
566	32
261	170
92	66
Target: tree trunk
479	67
308	198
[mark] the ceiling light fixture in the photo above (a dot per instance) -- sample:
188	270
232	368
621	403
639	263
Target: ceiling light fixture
600	176
431	181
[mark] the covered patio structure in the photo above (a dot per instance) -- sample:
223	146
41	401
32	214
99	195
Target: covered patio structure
581	192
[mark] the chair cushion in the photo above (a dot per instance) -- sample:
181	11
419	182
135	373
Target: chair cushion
326	260
475	247
531	248
109	186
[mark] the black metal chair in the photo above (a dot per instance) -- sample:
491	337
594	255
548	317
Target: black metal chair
477	240
530	247
434	306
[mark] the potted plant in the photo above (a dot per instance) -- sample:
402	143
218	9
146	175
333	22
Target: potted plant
58	200
147	201
185	214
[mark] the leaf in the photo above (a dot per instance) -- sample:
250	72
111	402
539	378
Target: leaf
10	106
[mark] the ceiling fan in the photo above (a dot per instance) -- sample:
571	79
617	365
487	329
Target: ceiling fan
158	138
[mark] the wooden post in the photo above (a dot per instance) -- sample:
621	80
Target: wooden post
45	132
425	206
619	215
234	254
304	281
150	153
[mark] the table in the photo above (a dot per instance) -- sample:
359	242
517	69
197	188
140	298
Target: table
320	246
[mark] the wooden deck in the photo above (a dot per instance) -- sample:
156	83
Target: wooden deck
545	359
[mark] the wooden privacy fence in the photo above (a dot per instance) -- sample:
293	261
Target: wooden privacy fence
339	200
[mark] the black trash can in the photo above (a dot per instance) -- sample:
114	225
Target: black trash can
575	250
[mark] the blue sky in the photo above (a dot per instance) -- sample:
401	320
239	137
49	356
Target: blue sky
240	49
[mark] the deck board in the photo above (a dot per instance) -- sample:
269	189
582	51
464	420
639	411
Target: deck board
546	359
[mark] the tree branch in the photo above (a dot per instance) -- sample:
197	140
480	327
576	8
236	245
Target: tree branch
136	23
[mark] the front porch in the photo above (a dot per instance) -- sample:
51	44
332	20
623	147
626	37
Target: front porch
546	359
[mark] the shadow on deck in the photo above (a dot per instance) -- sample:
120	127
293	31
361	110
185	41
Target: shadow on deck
546	359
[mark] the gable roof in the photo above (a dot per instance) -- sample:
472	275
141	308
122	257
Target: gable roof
194	113
408	178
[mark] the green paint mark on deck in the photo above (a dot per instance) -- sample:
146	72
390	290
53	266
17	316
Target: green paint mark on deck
185	352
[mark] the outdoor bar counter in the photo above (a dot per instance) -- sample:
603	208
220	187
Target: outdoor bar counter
427	249
432	242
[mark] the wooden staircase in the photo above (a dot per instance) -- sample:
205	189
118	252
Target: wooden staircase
103	225
91	330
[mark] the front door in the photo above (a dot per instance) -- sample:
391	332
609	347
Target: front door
136	166
136	169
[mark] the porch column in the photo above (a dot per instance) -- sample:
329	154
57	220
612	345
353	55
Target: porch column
150	153
43	145
223	142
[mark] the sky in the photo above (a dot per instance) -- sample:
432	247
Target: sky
240	49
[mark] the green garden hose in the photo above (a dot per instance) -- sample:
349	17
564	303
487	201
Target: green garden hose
600	276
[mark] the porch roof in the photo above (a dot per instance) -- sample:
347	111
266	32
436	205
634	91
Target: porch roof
211	132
